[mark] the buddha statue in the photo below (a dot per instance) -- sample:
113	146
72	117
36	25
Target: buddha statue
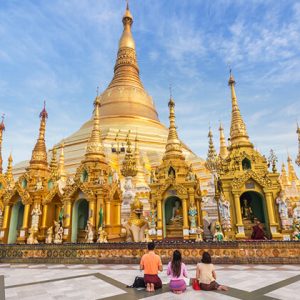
177	218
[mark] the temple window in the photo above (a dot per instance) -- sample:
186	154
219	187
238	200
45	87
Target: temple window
246	164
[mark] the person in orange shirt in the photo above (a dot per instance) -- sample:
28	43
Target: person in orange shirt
151	264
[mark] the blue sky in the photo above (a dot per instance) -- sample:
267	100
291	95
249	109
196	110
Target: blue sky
61	51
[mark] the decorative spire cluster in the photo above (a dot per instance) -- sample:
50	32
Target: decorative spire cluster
9	174
61	164
238	131
223	147
212	157
129	168
291	170
173	147
39	153
2	128
283	176
53	163
94	150
298	156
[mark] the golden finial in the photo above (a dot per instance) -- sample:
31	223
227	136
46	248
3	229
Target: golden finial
283	176
173	147
94	150
39	153
9	174
53	163
291	171
211	154
223	147
238	132
61	164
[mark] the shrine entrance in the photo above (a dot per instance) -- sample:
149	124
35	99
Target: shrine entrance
253	207
80	216
16	222
173	217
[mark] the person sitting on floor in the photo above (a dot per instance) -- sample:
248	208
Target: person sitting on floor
258	232
206	275
177	271
151	264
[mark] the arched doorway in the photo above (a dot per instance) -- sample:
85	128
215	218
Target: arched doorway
16	222
173	217
253	207
80	216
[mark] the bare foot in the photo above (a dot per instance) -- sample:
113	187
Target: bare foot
148	288
152	287
222	288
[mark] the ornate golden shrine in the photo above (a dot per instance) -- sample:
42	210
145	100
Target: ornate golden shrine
174	181
244	177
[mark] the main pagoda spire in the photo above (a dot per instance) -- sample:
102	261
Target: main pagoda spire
39	154
125	96
298	156
173	147
238	131
2	128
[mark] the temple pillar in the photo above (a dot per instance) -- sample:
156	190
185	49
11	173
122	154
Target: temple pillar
25	224
159	231
118	212
67	220
4	229
271	214
92	206
239	220
44	220
185	219
107	213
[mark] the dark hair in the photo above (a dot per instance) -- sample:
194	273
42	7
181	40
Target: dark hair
151	246
206	258
176	263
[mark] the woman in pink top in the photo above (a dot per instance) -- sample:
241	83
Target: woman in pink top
177	271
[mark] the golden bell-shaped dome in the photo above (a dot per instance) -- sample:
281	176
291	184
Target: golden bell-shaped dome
125	95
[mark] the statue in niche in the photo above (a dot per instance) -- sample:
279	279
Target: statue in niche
100	180
218	234
39	184
153	178
171	173
190	175
224	207
177	218
32	236
247	212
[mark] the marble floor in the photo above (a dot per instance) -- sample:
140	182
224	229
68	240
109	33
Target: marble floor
45	282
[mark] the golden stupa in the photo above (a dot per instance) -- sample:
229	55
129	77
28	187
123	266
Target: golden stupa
125	107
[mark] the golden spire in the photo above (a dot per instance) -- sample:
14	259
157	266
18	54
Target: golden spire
223	147
2	128
9	174
291	170
238	131
173	147
94	150
212	156
53	163
129	168
39	153
125	95
61	164
298	156
283	176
